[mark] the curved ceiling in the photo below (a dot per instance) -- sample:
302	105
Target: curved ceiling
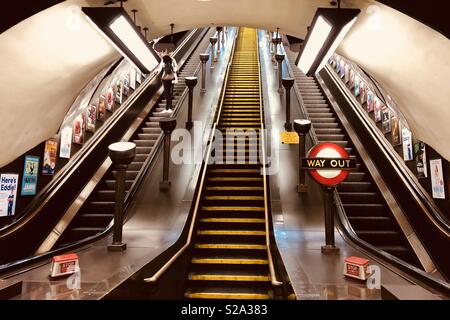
48	58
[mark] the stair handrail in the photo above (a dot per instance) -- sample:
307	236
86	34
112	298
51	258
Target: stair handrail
274	280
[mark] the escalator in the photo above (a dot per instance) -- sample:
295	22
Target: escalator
230	257
366	209
98	211
78	203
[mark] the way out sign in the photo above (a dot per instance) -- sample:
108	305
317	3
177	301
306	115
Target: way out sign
328	163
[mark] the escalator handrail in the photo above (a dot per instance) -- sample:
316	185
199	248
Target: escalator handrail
26	261
429	208
180	251
274	280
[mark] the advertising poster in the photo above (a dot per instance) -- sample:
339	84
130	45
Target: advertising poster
30	176
362	93
91	116
421	159
407	145
437	179
352	79
65	143
356	86
395	133
119	92
346	73
49	164
101	110
8	194
78	129
126	85
377	107
370	101
386	120
110	100
133	79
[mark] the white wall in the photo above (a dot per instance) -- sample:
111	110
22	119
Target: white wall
412	61
45	61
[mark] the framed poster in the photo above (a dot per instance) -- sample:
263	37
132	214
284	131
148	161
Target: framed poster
437	179
138	76
65	143
110	99
377	107
356	86
8	194
407	145
386	120
126	85
78	129
342	69
30	176
352	79
346	73
101	110
49	161
395	133
91	116
369	101
421	159
119	92
362	93
133	79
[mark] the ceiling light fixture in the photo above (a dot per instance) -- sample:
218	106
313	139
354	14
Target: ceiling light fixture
328	29
118	28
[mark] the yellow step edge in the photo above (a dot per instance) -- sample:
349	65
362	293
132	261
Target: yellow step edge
230	246
222	277
237	119
223	295
235	179
245	198
228	261
233	220
233	188
231	232
227	208
236	170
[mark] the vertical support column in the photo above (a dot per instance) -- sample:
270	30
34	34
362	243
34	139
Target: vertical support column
121	154
280	57
213	41
203	58
288	83
191	82
302	127
329	246
167	125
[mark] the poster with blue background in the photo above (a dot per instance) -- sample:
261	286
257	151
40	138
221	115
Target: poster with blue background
30	176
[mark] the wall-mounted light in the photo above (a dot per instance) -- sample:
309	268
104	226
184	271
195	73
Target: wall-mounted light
122	33
328	28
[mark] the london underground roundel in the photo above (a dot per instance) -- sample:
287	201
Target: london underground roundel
328	163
